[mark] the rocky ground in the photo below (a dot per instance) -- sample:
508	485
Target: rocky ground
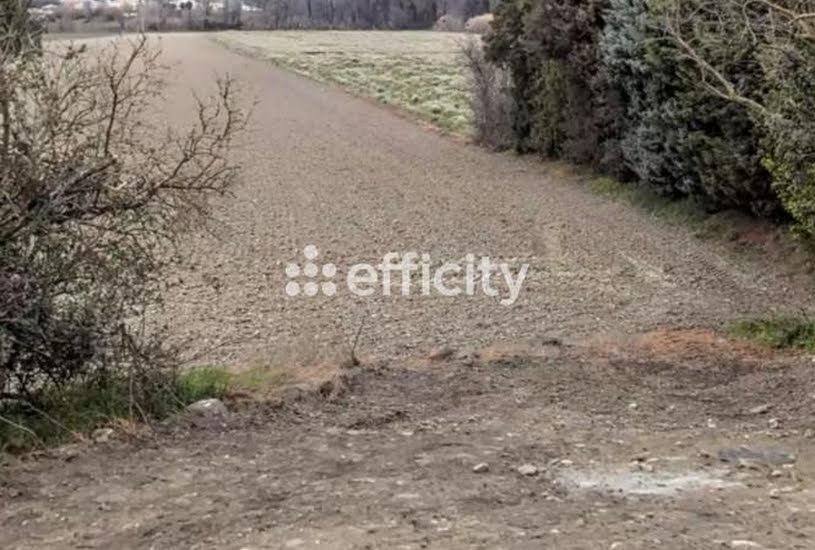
588	414
674	440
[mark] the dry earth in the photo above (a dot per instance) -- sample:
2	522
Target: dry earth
622	441
356	181
624	432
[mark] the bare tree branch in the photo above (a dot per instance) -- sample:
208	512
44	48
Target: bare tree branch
91	194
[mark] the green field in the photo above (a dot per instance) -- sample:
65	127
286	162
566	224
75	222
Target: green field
418	71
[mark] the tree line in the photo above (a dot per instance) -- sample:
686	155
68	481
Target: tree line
363	14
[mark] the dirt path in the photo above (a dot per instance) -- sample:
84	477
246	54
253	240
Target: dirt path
625	447
358	181
624	434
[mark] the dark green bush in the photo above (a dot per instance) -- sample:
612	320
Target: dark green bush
547	112
678	138
790	141
603	83
653	128
565	108
504	46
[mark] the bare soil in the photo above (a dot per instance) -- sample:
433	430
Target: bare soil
619	416
626	445
325	168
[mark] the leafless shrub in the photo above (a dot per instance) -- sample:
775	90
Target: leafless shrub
492	102
91	194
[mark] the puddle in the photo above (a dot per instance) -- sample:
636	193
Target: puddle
645	483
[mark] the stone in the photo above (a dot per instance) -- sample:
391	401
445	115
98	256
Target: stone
68	453
481	468
528	470
208	408
101	435
744	544
772	457
761	409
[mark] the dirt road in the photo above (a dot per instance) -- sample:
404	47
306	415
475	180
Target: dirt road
595	447
621	438
357	181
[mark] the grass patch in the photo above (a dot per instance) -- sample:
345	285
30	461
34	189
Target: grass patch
259	379
420	72
202	383
779	332
685	212
80	408
682	211
60	414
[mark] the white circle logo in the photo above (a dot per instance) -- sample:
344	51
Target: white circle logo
311	270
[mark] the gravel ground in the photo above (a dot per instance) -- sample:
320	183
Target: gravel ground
326	169
567	448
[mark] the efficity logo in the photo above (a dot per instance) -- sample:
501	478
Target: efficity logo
406	274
